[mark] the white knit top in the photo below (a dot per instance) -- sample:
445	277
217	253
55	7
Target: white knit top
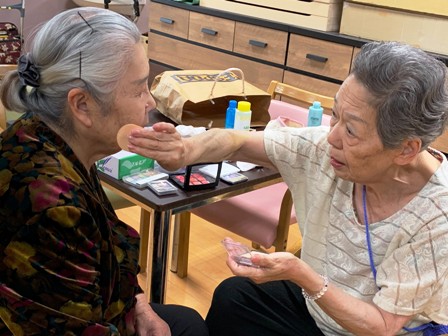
410	248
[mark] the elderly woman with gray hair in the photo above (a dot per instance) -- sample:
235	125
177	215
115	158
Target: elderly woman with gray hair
371	197
68	265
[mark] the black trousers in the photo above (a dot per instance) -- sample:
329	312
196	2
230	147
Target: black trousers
241	307
183	321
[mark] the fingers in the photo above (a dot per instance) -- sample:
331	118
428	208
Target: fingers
161	132
161	143
164	127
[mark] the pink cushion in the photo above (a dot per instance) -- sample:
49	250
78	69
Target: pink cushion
294	112
252	215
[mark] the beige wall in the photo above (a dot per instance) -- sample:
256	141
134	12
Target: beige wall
39	11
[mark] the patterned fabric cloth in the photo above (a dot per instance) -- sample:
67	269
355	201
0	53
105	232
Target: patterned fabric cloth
410	248
10	43
68	266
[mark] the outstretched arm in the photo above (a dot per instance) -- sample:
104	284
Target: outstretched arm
165	145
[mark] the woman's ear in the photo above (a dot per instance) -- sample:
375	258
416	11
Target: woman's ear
80	105
409	150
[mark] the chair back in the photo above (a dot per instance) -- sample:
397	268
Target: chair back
296	112
2	117
279	90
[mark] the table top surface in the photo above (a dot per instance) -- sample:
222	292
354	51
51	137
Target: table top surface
185	200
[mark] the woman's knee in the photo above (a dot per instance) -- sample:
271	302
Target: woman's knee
183	321
230	293
232	288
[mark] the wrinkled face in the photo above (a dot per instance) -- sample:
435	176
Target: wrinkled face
357	153
132	102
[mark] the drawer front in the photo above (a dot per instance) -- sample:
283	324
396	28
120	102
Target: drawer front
183	55
167	19
311	84
212	31
259	42
355	53
319	57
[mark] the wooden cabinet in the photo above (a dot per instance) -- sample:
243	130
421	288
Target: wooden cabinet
191	37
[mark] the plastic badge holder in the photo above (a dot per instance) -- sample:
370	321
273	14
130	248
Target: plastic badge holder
239	252
194	179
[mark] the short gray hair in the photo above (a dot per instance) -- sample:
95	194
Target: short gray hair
86	47
409	90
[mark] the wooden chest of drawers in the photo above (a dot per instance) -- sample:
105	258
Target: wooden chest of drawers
187	38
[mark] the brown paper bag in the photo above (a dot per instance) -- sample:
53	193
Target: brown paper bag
201	97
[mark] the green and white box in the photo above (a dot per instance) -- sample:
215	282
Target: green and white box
124	163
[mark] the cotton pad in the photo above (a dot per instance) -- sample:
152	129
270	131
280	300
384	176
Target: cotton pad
123	135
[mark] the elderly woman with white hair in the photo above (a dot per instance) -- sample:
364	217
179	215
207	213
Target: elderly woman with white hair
68	265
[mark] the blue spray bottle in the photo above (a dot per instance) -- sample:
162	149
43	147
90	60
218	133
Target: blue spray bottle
230	114
315	114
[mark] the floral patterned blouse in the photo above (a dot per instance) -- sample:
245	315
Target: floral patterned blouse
68	265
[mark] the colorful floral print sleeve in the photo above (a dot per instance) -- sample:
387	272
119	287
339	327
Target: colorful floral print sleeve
68	266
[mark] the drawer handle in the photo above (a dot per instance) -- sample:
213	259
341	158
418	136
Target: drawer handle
258	43
167	20
317	58
209	31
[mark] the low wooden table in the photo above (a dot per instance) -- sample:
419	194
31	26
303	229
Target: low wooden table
157	212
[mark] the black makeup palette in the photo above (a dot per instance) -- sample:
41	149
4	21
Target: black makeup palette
195	179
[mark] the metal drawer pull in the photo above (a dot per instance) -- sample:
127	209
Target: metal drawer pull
317	58
258	43
166	20
209	31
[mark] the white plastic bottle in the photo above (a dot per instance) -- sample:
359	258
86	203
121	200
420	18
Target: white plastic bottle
243	115
315	114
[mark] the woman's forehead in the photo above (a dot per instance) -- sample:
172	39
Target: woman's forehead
353	93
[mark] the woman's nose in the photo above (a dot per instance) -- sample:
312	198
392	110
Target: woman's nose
151	104
334	138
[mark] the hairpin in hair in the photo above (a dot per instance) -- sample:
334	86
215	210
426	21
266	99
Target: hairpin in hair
82	17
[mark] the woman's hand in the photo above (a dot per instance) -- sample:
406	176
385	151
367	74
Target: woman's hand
146	321
162	143
273	266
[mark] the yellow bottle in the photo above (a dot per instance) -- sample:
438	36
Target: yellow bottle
243	115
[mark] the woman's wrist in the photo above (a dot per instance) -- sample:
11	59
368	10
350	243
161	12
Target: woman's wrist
317	295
